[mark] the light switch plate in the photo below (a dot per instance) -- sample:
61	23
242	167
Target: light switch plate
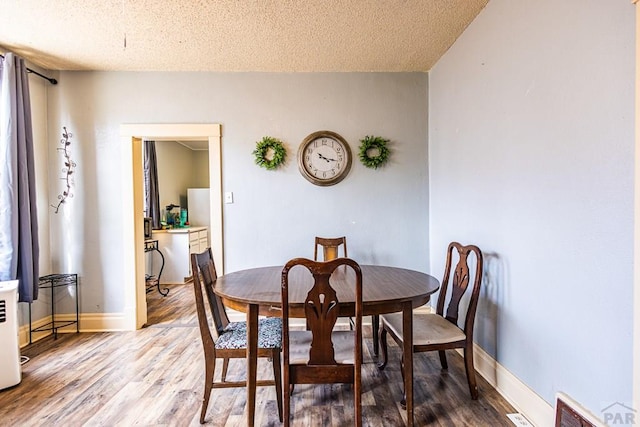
228	197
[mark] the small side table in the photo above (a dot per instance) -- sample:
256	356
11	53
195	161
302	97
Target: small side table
152	281
51	282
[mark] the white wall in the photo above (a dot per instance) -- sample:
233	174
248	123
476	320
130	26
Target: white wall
275	214
531	157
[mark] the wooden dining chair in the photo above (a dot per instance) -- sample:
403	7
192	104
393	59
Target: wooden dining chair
321	355
440	331
231	341
330	247
330	250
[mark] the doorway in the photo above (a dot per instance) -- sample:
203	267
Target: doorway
135	309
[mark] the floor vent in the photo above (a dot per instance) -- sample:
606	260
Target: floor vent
519	420
570	413
3	311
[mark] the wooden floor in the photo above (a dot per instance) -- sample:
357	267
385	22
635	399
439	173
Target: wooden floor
154	376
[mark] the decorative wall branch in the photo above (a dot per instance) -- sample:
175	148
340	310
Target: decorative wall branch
67	170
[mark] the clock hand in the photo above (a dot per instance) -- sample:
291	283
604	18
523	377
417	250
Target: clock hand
324	158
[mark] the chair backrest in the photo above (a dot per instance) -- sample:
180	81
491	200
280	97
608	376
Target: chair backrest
204	273
322	307
460	284
330	247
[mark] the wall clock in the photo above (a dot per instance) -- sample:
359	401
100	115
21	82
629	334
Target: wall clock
324	158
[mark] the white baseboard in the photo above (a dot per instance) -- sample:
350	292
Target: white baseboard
518	394
89	322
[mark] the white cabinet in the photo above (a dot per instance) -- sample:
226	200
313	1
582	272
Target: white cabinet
198	242
177	246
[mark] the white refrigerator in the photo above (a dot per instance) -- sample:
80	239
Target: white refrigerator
199	208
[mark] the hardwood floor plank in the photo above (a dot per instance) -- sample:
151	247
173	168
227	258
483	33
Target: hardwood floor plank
155	376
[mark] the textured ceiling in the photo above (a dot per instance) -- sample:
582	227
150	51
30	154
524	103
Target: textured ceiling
234	35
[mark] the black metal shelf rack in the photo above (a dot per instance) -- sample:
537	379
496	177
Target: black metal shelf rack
150	280
51	282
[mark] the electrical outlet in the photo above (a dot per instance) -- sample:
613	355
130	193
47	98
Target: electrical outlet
228	197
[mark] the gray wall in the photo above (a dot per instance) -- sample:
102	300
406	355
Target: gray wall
179	169
531	157
275	214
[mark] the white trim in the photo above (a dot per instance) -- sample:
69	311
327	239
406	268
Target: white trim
89	322
215	201
517	393
172	131
635	392
102	322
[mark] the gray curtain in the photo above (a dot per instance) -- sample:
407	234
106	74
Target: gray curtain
19	250
151	195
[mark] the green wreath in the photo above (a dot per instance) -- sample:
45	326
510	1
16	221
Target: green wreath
270	153
370	145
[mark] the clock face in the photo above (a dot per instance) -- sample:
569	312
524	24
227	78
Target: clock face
324	158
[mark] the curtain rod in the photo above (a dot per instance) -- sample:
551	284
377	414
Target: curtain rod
29	70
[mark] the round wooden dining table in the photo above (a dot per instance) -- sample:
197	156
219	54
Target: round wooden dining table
257	292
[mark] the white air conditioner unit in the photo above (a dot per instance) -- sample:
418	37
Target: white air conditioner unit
11	373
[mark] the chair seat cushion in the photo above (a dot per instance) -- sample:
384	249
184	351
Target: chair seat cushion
343	346
235	334
428	328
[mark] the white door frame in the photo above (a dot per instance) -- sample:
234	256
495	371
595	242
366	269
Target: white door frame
135	309
636	239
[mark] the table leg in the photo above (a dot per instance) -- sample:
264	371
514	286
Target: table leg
375	331
252	361
407	351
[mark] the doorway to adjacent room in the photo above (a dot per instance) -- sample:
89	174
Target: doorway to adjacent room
133	233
